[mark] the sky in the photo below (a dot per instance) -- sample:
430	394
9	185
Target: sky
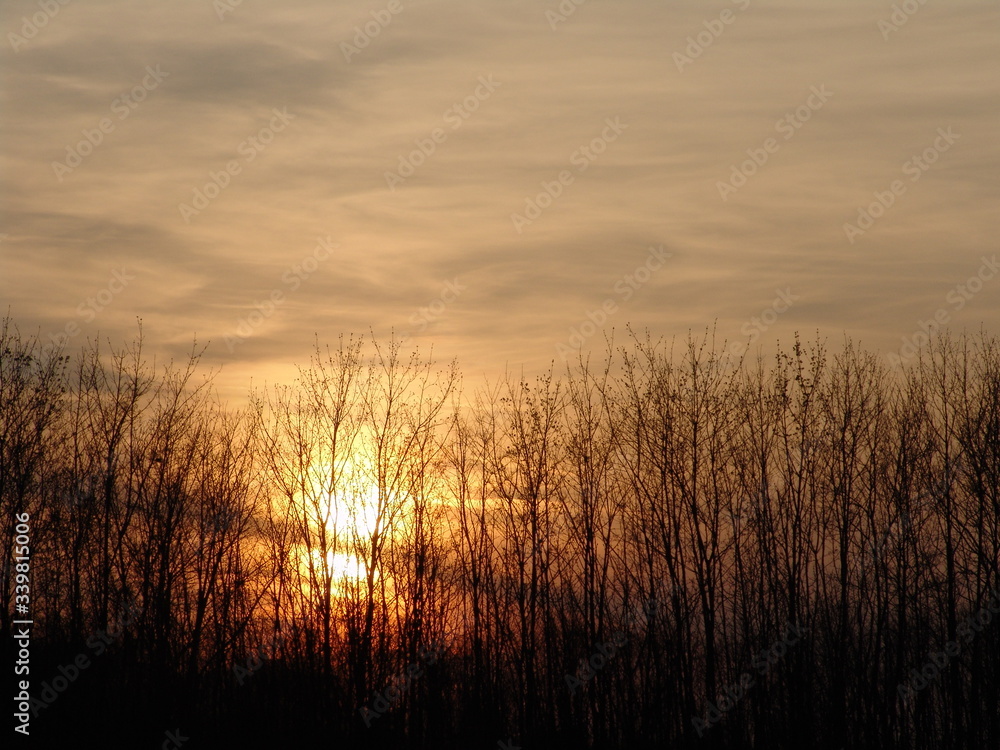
506	182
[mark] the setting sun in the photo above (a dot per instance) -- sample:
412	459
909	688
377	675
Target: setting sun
340	508
343	568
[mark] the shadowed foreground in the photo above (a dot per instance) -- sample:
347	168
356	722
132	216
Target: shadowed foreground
667	551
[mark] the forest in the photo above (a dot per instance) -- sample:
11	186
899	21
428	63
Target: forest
661	546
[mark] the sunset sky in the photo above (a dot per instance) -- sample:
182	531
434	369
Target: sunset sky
389	166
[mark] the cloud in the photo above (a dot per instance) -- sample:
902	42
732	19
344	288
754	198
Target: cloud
325	174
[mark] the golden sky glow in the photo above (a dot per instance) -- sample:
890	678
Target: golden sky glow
376	180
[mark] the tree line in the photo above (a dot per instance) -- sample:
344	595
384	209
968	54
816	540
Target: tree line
670	548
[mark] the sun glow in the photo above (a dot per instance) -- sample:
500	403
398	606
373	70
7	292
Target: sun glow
343	568
339	506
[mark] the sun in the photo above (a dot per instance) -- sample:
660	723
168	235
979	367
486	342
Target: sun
343	515
342	567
